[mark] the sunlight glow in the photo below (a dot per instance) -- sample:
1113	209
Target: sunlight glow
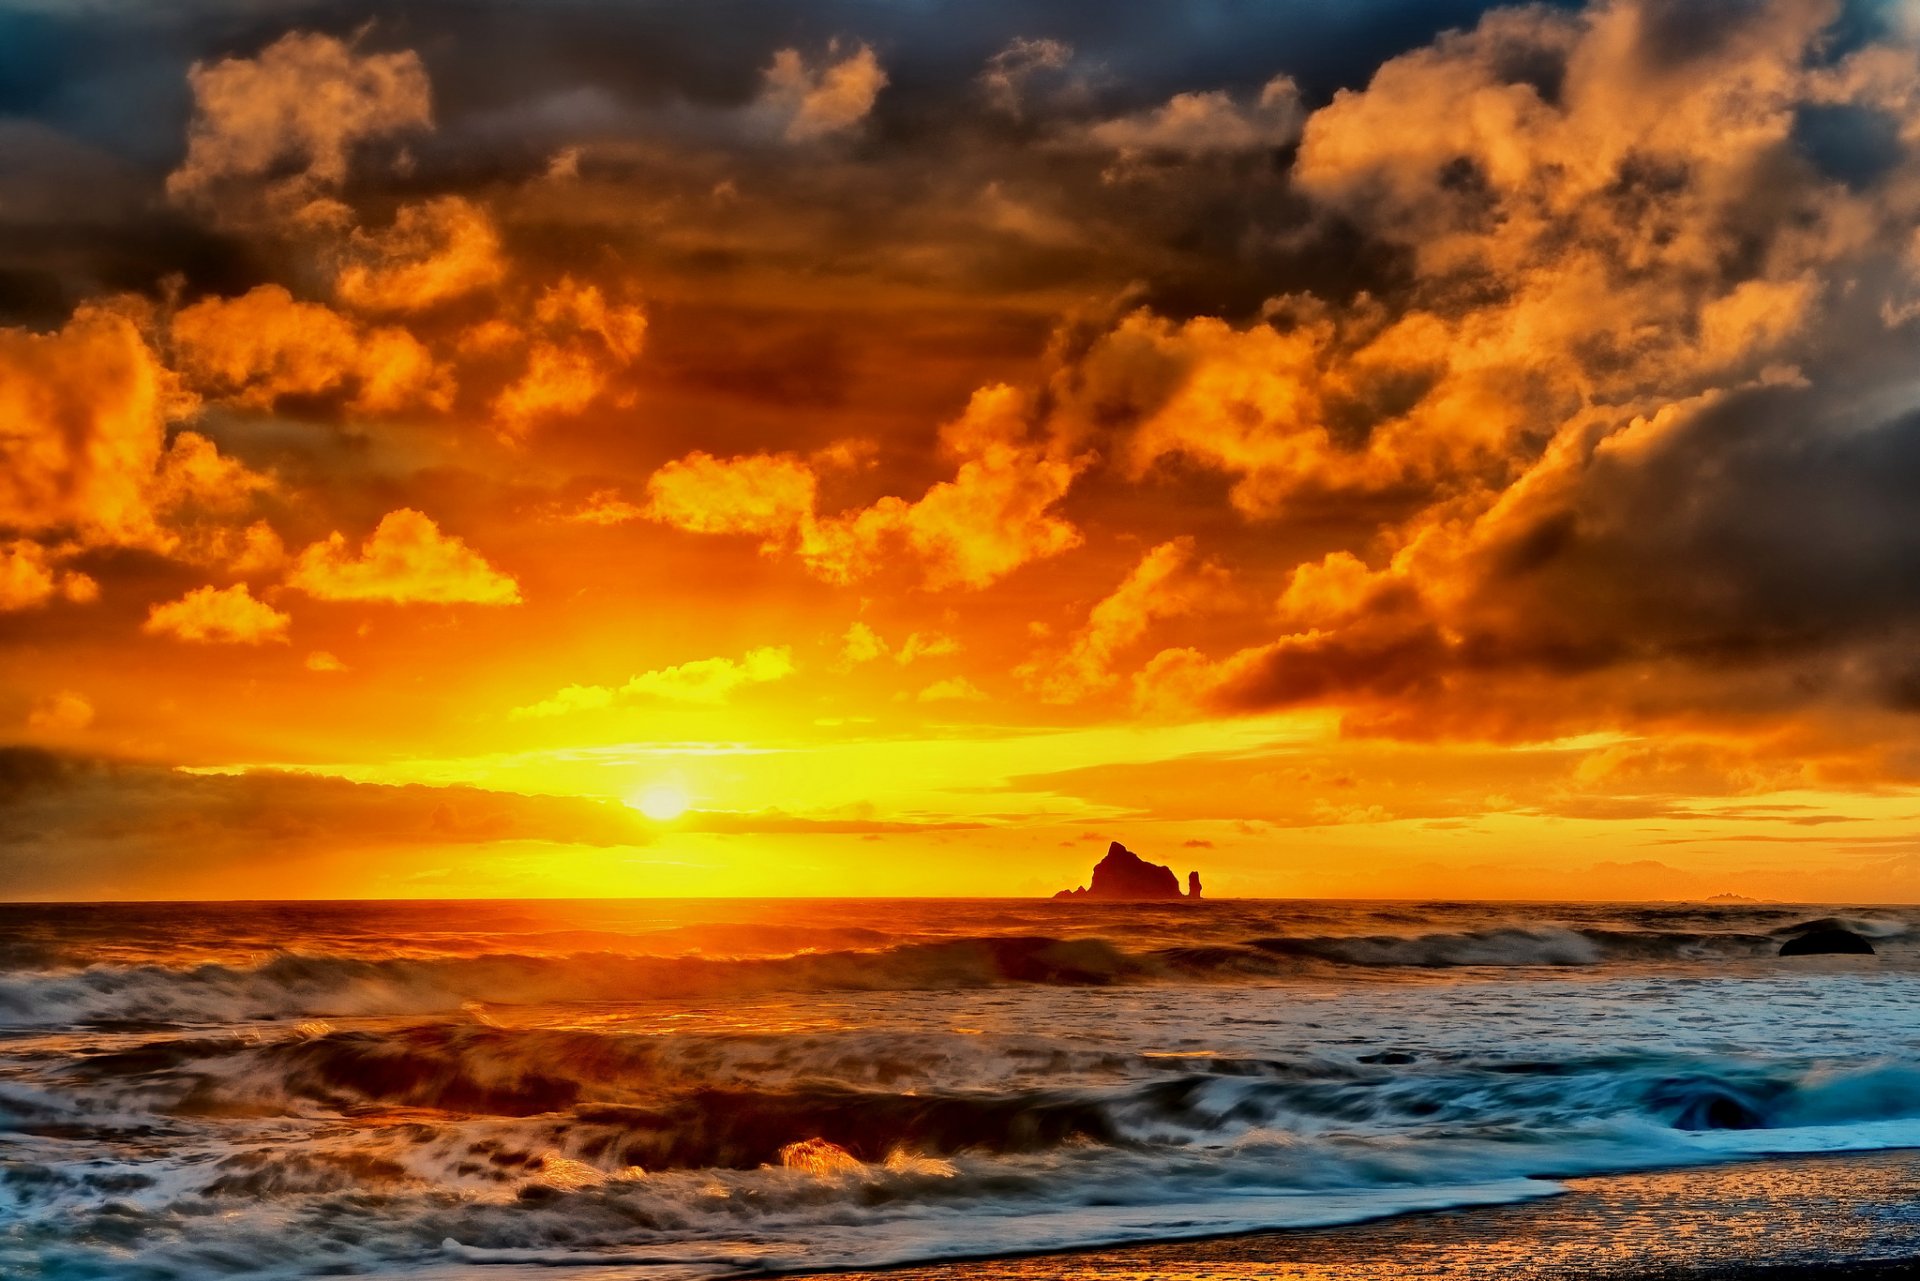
662	802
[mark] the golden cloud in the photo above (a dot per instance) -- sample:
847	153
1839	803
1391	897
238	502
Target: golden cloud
226	615
85	461
434	251
407	559
955	689
266	345
862	644
577	343
994	516
709	681
29	577
306	100
309	102
81	428
1164	584
767	495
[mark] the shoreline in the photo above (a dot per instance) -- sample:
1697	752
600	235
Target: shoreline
1828	1217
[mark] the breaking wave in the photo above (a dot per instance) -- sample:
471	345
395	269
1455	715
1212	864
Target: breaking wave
295	986
748	1153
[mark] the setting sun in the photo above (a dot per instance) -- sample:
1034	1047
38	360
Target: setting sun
662	802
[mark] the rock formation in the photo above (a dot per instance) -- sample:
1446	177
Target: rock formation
1124	876
1827	941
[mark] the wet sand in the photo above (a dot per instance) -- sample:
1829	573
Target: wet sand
1821	1217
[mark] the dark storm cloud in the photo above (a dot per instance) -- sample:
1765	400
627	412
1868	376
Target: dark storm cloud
493	53
513	84
1804	536
1696	323
42	791
72	819
1764	535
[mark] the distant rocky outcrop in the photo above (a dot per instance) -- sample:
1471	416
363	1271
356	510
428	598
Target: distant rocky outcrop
1827	941
1124	876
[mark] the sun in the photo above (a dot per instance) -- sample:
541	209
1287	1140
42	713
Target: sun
662	802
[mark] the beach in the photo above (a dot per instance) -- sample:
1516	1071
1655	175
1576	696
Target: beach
1780	1220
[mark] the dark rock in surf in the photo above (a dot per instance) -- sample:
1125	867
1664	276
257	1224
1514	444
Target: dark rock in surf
1829	941
1123	876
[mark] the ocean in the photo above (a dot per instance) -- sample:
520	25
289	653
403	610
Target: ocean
681	1089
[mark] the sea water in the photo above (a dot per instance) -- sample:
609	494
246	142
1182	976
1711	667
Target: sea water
705	1089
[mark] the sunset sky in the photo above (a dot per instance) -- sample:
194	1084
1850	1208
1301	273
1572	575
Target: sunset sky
1383	448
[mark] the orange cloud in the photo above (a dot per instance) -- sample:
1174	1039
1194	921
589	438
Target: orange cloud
994	516
437	250
710	680
85	461
194	475
65	712
1307	406
955	689
566	701
767	495
706	680
919	645
210	615
602	507
306	100
81	428
311	101
265	345
29	577
1165	583
577	344
862	644
814	101
405	560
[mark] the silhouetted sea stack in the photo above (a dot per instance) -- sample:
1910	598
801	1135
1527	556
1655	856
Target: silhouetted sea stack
1124	876
1827	941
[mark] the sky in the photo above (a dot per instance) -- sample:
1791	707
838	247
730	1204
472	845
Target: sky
1382	448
